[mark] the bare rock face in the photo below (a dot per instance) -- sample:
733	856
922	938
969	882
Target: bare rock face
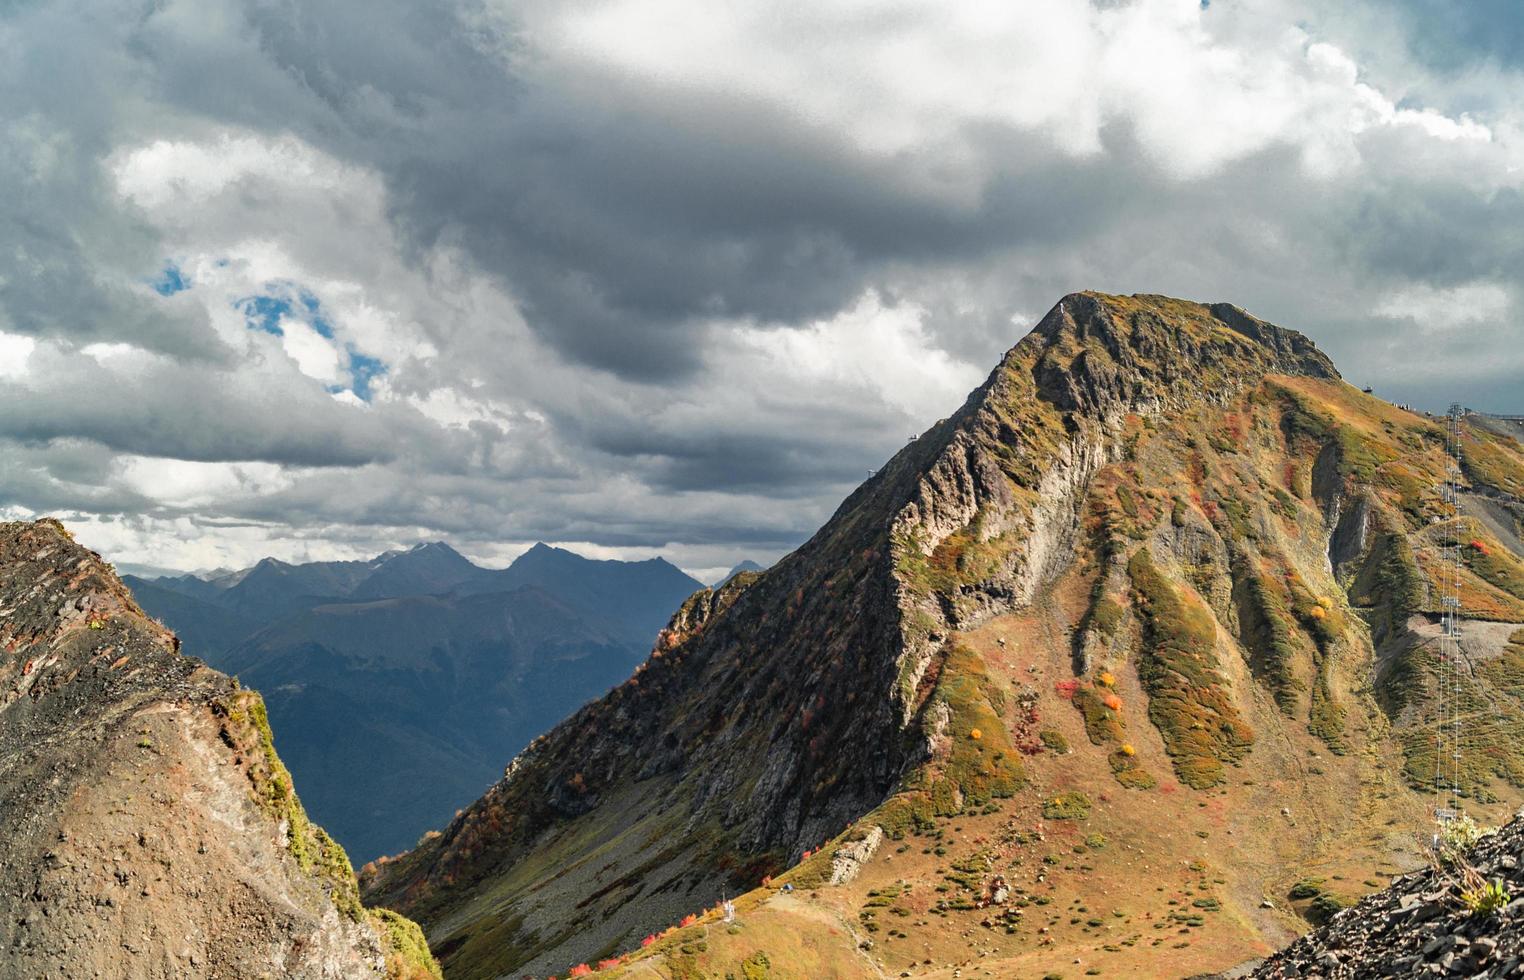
848	861
147	827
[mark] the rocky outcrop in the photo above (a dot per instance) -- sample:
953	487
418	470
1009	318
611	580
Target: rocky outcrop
848	861
147	828
1458	919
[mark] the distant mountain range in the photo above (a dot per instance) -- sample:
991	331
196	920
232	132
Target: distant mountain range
400	686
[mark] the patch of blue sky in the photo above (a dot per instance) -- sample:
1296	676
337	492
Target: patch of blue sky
170	281
282	299
364	369
265	312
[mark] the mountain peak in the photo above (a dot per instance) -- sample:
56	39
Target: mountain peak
1102	353
430	551
434	548
1125	532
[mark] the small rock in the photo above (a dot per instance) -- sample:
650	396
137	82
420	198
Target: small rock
1427	911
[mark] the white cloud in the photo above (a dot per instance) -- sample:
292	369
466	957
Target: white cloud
314	354
243	210
105	353
15	352
458	408
915	79
182	174
1439	309
348	397
880	351
181	483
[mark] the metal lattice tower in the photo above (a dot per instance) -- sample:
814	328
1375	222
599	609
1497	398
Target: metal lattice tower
1447	748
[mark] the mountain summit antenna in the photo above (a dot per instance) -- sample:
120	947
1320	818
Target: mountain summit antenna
1447	737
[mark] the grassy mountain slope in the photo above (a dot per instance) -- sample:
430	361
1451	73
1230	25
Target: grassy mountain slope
1099	668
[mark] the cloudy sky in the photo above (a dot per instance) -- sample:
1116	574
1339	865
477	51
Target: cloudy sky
316	279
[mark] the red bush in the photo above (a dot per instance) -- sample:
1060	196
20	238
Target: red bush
1066	689
647	941
581	970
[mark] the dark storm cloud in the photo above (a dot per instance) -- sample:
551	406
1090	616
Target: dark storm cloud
622	220
196	419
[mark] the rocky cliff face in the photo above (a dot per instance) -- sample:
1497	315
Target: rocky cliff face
147	827
1156	594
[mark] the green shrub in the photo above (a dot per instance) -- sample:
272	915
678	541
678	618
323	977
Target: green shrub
1307	888
1128	772
907	813
980	769
1270	633
1496	566
407	952
1072	805
1054	741
1107	615
1486	898
1188	702
1101	723
1458	836
1325	907
1128	501
756	967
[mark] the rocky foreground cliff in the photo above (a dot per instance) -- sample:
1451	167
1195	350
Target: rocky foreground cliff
1462	917
1088	679
147	827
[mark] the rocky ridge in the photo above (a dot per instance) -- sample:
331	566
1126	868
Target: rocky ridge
147	827
1424	925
